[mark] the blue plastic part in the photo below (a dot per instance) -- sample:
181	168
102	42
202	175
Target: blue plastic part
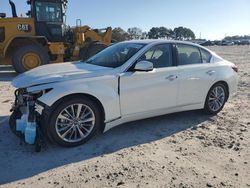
27	128
21	123
20	126
30	133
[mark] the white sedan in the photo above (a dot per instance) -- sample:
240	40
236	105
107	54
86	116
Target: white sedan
70	102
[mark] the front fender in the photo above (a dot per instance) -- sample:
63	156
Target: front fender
104	89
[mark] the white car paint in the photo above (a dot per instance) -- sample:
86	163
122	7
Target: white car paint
196	77
141	94
58	73
157	90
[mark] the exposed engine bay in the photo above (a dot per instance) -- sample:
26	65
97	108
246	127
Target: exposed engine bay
25	119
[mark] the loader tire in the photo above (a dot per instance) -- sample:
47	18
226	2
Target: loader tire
94	49
29	57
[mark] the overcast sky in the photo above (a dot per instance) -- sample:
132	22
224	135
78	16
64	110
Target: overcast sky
213	19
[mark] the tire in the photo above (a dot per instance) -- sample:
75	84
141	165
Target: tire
12	121
29	57
94	49
58	123
214	104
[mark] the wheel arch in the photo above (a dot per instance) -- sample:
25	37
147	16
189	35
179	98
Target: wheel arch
206	108
89	96
219	82
225	84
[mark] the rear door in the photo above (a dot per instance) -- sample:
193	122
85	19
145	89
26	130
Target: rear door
195	76
154	90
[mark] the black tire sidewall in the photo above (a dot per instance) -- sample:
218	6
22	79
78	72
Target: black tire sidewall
207	108
20	52
68	101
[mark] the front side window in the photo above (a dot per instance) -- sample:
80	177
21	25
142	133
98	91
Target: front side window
188	54
2	34
48	12
115	55
159	55
206	56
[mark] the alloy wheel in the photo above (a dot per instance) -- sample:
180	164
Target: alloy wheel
75	122
216	98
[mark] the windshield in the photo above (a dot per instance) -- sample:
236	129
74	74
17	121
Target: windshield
48	12
115	55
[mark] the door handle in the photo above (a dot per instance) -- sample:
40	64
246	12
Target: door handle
210	72
171	77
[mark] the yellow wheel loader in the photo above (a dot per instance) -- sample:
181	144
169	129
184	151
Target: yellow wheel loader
43	38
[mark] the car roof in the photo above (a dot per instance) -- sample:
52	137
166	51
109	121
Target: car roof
151	41
160	41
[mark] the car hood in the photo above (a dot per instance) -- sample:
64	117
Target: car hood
58	72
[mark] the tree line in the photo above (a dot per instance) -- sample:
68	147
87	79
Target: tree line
178	33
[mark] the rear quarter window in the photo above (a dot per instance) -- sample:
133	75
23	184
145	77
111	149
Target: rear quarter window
206	56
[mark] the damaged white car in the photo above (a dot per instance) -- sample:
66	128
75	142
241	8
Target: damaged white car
69	102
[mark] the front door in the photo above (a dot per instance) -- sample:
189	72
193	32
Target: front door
154	90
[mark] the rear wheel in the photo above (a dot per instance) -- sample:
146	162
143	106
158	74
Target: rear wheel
29	57
74	121
216	99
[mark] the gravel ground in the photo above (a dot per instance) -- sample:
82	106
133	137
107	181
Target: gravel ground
186	149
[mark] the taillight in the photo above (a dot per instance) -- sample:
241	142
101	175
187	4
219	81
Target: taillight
235	68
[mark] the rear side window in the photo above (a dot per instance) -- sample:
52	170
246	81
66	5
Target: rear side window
206	56
159	55
188	54
2	34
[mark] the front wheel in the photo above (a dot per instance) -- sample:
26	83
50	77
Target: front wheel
216	99
74	121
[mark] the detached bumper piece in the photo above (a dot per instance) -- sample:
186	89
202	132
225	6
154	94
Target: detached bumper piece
29	131
26	124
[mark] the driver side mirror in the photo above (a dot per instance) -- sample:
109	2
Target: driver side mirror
144	66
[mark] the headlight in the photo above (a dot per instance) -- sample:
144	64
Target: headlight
38	94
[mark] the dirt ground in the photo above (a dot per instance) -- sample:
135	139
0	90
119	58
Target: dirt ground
186	149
